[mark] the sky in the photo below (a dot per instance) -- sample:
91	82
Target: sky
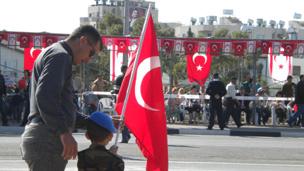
62	16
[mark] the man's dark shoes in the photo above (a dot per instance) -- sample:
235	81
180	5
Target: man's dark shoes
124	141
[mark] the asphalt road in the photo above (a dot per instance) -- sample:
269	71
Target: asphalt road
193	153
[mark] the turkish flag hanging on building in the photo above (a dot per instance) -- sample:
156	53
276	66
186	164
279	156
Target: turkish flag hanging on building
198	67
145	112
30	55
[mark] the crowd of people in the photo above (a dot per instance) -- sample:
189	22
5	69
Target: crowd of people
224	102
14	101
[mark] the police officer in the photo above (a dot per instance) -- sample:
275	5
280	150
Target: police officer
216	89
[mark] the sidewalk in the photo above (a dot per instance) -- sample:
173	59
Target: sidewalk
200	129
245	130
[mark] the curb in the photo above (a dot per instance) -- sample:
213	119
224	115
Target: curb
263	132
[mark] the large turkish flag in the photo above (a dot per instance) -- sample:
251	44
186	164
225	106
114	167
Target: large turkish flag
144	111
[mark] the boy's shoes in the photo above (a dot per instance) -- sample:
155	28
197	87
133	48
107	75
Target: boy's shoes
124	141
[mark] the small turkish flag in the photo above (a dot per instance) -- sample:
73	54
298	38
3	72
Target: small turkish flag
239	48
265	45
24	40
167	45
288	49
2	36
121	44
190	47
48	40
215	48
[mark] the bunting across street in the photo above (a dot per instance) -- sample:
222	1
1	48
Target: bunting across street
189	47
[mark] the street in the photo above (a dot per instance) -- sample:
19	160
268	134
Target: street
192	152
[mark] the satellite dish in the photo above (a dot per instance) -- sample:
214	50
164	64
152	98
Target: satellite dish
201	20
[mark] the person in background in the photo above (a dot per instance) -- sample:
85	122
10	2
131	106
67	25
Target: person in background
2	96
231	104
193	106
26	104
117	83
47	142
99	84
299	101
279	108
216	90
243	106
288	89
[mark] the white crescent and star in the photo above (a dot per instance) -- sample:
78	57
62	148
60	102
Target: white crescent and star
32	51
143	69
199	67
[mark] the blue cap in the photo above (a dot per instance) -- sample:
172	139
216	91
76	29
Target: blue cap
103	120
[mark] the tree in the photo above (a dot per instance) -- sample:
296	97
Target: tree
111	25
239	35
190	33
137	27
221	33
163	30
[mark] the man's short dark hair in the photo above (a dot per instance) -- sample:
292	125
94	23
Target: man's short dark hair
289	77
301	76
95	132
88	31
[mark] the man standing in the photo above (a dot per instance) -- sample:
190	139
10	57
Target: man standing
231	104
288	88
216	89
117	83
2	94
299	100
47	141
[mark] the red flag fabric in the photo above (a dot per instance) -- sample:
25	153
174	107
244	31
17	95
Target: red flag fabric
215	48
25	40
145	112
30	55
2	37
288	49
190	47
198	67
239	48
167	45
121	44
48	40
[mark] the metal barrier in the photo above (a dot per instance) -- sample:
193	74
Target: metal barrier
204	97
